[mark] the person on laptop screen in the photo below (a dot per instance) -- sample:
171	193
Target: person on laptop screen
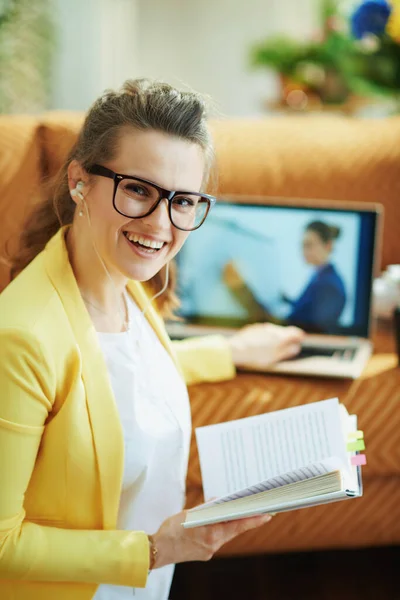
321	303
319	306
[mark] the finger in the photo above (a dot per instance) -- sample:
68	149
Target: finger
288	352
290	340
295	332
251	522
241	525
263	328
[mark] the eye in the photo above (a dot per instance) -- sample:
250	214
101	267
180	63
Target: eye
136	189
183	202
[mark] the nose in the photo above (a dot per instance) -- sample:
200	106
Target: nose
159	218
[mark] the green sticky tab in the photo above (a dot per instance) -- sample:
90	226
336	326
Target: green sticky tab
355	435
354	446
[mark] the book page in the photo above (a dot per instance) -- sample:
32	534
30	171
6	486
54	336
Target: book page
238	454
314	470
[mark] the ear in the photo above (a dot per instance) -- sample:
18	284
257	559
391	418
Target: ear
76	173
329	246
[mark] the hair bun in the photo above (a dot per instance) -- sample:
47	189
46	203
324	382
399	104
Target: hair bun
335	232
133	87
326	232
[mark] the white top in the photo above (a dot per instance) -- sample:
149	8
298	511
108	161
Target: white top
153	404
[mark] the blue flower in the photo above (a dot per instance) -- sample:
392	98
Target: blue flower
370	17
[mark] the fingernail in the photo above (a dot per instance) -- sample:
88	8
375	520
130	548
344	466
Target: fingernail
273	514
294	349
266	518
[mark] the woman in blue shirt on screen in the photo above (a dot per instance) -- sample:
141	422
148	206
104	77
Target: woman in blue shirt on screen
320	305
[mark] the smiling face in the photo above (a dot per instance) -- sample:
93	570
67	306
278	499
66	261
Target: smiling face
139	248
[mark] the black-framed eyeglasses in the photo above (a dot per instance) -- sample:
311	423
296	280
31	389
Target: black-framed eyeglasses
136	198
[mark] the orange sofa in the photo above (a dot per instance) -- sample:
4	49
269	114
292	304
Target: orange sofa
307	157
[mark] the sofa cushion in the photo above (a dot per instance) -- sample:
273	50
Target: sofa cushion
20	168
59	131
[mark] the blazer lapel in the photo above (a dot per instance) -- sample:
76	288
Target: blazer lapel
104	418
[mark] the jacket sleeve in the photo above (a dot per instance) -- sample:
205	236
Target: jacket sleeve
328	306
205	359
29	551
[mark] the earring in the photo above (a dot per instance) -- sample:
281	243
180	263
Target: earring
80	213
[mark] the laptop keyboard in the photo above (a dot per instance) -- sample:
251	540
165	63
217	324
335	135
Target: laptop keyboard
345	353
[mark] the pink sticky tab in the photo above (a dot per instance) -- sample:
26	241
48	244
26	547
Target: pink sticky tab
358	460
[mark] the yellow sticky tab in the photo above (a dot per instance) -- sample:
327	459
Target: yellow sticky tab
356	446
355	435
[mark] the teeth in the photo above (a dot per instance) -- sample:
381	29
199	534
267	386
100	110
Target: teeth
132	237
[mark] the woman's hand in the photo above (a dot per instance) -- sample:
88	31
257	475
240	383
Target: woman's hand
176	544
263	344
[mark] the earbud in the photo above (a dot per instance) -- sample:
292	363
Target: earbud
76	192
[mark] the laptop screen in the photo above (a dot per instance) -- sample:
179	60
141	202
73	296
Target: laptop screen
300	265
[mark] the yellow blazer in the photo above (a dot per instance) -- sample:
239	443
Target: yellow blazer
61	443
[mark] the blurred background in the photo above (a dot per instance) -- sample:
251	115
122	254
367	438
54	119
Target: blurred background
252	58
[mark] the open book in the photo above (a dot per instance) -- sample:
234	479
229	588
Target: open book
284	460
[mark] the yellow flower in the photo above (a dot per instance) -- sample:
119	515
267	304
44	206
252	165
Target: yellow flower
393	24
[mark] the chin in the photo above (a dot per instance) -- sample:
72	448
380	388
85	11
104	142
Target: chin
141	268
142	273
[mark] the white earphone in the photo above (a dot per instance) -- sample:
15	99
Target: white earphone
76	192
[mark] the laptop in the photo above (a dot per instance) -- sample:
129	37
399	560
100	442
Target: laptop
287	261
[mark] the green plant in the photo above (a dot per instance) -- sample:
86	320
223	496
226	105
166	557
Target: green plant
26	46
360	55
317	65
280	53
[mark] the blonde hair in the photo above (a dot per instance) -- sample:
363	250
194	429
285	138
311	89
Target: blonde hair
141	104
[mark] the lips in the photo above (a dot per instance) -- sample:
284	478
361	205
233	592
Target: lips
144	242
144	246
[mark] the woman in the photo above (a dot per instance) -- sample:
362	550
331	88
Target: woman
321	303
94	413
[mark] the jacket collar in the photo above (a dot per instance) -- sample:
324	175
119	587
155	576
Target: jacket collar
104	418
